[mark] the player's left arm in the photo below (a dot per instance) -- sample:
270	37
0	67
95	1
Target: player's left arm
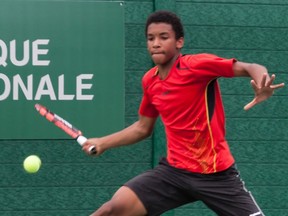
261	82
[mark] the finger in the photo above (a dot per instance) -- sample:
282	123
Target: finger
86	148
276	86
263	81
250	105
254	85
272	78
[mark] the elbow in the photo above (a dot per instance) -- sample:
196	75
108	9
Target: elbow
146	132
144	127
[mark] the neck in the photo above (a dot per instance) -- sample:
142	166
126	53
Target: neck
163	70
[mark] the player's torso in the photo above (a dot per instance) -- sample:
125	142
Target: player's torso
186	101
180	97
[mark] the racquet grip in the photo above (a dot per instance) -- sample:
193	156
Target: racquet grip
81	140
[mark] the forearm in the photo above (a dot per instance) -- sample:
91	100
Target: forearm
130	135
255	71
127	136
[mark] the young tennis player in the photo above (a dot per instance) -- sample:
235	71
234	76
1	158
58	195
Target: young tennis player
184	91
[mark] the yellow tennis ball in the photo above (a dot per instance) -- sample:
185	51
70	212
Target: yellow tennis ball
32	164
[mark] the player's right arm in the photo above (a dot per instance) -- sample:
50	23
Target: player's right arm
262	84
134	133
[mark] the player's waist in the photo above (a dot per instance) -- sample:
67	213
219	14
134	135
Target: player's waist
212	164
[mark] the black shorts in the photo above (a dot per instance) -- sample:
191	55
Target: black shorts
166	187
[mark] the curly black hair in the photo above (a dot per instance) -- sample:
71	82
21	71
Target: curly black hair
168	17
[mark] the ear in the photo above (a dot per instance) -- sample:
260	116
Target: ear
180	43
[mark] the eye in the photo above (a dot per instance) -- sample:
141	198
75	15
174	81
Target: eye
164	37
150	38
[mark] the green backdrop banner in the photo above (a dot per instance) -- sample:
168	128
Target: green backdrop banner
67	56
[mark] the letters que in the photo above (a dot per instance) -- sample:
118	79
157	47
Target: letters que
34	53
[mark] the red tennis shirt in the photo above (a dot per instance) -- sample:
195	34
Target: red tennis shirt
190	105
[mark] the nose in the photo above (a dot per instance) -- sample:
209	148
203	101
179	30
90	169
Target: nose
156	43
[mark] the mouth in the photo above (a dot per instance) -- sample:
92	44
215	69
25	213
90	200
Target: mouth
157	53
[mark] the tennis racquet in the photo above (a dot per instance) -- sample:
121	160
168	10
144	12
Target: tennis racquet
64	125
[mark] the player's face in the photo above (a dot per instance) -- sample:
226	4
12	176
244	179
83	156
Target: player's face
162	44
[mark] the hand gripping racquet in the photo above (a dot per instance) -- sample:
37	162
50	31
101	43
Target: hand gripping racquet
64	125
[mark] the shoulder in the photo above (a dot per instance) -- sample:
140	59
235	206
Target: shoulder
209	64
149	75
199	60
195	58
